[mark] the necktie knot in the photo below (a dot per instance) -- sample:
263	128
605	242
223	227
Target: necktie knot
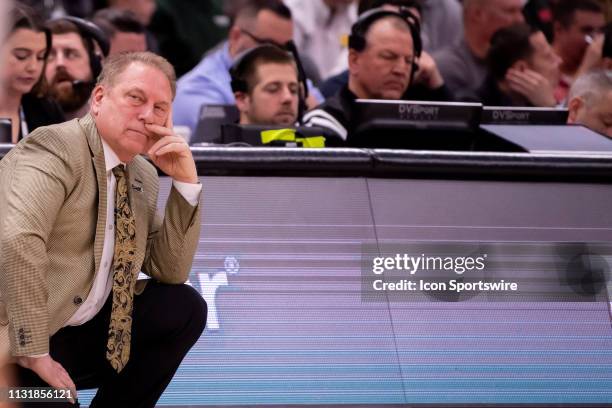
119	171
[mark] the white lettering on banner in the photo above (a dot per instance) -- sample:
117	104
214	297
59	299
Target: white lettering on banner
209	288
209	285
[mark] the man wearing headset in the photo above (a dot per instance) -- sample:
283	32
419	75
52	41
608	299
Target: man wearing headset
266	87
74	63
427	80
383	50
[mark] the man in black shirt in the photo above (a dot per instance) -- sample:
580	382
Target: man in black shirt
381	66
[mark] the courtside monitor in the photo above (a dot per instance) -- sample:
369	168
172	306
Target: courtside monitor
6	133
554	139
417	125
505	115
212	117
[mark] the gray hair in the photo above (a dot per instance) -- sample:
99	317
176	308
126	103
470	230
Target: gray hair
115	65
591	86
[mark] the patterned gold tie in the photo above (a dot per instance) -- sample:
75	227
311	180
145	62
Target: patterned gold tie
119	334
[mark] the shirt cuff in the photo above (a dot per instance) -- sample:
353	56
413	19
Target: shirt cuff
19	359
190	192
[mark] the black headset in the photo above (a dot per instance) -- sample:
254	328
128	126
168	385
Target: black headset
239	84
90	33
359	31
243	60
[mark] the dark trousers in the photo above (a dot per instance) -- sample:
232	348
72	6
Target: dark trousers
167	321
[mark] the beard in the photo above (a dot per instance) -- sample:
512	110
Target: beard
286	117
70	96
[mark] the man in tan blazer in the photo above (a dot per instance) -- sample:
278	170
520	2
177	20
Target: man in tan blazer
73	240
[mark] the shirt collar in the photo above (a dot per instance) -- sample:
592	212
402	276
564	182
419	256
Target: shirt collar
111	159
226	58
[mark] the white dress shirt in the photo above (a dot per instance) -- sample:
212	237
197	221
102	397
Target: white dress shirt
103	282
321	35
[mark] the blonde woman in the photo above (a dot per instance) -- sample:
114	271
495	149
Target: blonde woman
24	54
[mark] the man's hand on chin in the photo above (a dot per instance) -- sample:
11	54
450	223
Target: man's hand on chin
172	155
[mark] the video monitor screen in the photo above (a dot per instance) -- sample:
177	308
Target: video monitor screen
566	139
285	267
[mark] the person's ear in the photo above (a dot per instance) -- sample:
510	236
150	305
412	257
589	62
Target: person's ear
520	65
233	37
97	95
353	60
242	101
574	107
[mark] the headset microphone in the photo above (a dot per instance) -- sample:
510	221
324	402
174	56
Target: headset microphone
77	83
83	86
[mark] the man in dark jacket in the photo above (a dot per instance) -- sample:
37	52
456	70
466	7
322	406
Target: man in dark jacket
383	67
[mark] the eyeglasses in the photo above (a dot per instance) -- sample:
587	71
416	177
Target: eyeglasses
260	40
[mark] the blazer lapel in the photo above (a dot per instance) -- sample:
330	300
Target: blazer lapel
97	152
